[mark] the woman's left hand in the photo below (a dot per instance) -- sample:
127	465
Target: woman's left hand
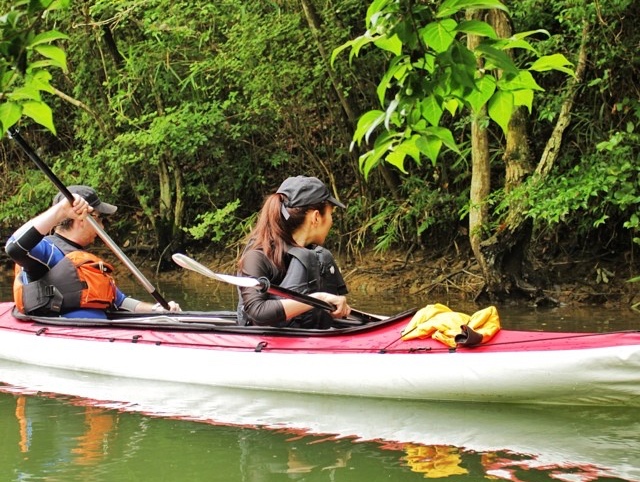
340	302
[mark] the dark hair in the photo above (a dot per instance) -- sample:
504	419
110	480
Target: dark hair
65	224
273	233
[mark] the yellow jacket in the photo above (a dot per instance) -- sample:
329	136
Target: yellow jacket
452	328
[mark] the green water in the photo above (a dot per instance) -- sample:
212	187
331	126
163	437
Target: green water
55	439
48	437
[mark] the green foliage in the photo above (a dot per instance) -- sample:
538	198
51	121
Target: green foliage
180	111
426	209
26	57
217	225
33	194
602	187
432	72
182	107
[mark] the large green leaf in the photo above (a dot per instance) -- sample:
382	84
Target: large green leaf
59	4
431	110
501	108
445	136
10	113
367	124
355	45
452	105
25	93
57	56
485	87
406	148
477	27
523	97
374	10
372	158
439	35
391	110
552	62
430	146
397	70
529	33
391	44
496	58
513	43
47	38
463	68
523	80
40	113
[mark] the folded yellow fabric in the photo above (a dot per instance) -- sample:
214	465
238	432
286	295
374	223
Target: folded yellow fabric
441	323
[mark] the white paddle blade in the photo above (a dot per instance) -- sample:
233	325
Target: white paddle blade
242	281
190	263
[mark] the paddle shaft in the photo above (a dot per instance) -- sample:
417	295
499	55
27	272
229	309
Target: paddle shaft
15	135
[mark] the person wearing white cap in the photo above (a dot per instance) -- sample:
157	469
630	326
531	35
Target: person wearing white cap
285	246
55	275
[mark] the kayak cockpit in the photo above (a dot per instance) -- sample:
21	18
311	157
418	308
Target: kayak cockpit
213	321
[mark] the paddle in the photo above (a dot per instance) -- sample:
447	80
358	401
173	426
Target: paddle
14	134
263	284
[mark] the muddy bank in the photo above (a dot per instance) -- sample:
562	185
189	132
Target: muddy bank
575	282
578	281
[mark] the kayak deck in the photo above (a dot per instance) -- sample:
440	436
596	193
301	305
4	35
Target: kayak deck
217	330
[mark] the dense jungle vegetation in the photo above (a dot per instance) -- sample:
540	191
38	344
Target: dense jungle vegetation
504	134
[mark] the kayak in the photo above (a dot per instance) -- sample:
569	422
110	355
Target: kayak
360	359
562	442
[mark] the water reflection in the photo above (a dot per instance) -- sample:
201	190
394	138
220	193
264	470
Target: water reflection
158	431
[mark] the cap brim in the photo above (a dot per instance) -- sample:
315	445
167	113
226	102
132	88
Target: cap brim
106	208
335	202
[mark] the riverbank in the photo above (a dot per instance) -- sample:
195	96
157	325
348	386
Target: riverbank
575	282
586	281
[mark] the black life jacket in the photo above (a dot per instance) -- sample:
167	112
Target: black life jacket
312	271
308	271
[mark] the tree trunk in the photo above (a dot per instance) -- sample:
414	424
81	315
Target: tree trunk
505	254
164	228
552	148
480	188
480	172
506	251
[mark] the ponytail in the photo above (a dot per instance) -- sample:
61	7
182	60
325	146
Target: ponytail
272	233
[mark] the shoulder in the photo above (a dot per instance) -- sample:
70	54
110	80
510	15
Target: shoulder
255	263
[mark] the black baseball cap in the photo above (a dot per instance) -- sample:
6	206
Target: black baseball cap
90	195
304	191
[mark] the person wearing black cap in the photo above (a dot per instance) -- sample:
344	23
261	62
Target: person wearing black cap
285	246
55	275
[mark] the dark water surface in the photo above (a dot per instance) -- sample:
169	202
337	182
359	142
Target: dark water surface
66	426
